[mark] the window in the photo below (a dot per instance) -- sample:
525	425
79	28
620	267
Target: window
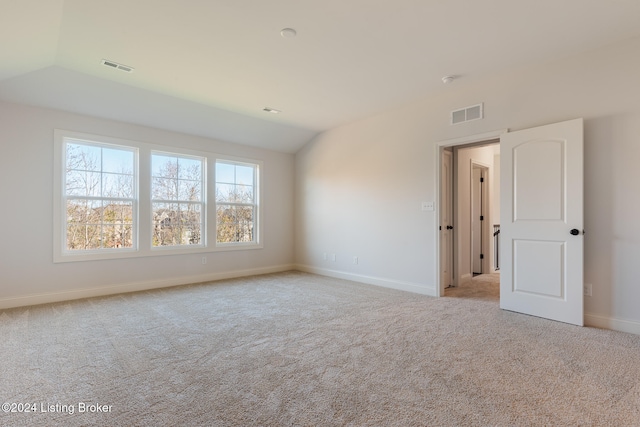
236	202
177	199
99	196
116	198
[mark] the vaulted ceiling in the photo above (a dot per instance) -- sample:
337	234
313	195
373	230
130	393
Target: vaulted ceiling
210	67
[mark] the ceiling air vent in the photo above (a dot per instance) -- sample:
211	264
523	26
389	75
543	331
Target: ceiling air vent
115	65
474	112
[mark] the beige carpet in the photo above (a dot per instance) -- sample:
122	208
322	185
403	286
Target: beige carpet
296	349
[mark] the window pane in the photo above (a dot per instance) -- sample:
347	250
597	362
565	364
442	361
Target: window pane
117	160
177	224
224	192
244	193
84	211
189	169
175	179
117	185
227	224
245	218
164	166
117	236
234	193
83	237
189	190
165	189
83	183
244	175
166	224
96	225
76	211
236	202
83	157
191	223
118	213
225	172
96	174
235	224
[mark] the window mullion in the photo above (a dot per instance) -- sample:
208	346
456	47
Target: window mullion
144	200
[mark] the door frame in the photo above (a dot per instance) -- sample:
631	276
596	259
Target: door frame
440	145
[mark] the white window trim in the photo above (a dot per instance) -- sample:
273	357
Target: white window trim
257	203
203	203
143	215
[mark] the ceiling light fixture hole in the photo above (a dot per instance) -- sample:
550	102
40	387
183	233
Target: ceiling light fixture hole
288	33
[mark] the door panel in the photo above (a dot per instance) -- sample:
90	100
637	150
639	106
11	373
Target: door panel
542	200
545	276
538	175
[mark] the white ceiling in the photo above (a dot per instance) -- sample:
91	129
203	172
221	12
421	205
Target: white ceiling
209	67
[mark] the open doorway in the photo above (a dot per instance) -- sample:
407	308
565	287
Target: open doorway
469	213
541	225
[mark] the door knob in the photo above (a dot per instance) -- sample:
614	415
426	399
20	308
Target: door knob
575	232
449	227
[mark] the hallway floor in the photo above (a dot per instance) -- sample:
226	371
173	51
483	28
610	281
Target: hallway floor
483	287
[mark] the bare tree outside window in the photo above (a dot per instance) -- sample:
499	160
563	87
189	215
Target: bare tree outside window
100	197
177	200
236	202
98	184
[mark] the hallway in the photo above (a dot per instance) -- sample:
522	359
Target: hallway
484	287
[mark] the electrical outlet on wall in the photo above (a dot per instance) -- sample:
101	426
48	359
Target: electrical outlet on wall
588	289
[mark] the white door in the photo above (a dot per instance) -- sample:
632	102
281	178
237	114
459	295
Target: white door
542	221
446	221
478	218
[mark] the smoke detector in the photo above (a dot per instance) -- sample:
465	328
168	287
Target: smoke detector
448	79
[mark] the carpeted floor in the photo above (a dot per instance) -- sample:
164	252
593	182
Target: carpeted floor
295	349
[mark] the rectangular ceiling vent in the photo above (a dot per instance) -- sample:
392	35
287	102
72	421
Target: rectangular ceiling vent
115	65
467	114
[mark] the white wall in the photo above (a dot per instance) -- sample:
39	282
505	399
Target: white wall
27	272
359	187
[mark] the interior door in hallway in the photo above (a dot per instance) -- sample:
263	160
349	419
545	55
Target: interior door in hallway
478	218
542	221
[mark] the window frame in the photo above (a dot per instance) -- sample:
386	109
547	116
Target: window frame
143	222
202	203
257	218
60	250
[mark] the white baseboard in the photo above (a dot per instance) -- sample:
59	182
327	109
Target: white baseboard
593	320
377	281
68	295
611	323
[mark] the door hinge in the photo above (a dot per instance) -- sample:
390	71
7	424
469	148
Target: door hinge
481	256
481	179
481	217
